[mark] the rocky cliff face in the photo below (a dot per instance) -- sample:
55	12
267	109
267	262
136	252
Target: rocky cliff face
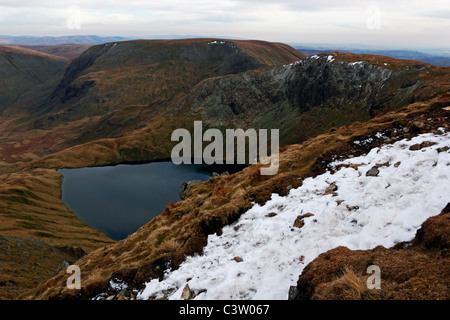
114	75
321	89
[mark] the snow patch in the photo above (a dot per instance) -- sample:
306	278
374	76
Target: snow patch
364	212
217	42
117	285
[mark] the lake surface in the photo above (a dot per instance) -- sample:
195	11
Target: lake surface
117	200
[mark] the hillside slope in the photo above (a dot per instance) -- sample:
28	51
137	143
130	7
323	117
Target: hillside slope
121	101
183	229
68	51
40	124
23	70
114	75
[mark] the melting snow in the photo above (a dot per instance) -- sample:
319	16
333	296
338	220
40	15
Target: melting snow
217	42
381	210
330	58
293	64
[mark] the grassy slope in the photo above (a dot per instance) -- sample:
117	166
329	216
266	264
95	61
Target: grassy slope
24	69
68	51
182	228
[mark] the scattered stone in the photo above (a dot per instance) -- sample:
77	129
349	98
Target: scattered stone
123	295
215	174
352	208
237	259
443	149
186	186
424	144
418	126
271	214
65	264
187	293
339	202
306	215
293	292
331	188
373	172
397	164
379	165
298	223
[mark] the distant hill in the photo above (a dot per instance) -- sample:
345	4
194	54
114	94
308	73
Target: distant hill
69	51
112	75
23	70
46	41
440	61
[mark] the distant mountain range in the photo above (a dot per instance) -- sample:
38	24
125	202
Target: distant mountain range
436	58
47	41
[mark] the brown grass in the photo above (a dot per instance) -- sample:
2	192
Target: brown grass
348	286
220	191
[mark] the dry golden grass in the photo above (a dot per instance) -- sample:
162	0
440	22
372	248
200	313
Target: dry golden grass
348	286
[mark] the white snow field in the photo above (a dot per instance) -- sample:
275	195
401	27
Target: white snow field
376	210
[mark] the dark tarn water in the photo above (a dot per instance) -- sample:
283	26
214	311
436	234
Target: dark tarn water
118	200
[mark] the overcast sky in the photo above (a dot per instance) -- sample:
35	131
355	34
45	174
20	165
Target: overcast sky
394	23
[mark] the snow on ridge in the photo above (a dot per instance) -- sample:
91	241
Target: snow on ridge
292	64
216	42
411	186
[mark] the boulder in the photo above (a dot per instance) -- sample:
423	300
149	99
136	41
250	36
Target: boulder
187	293
186	186
373	172
331	188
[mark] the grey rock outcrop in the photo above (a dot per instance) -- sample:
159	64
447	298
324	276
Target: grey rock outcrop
186	186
